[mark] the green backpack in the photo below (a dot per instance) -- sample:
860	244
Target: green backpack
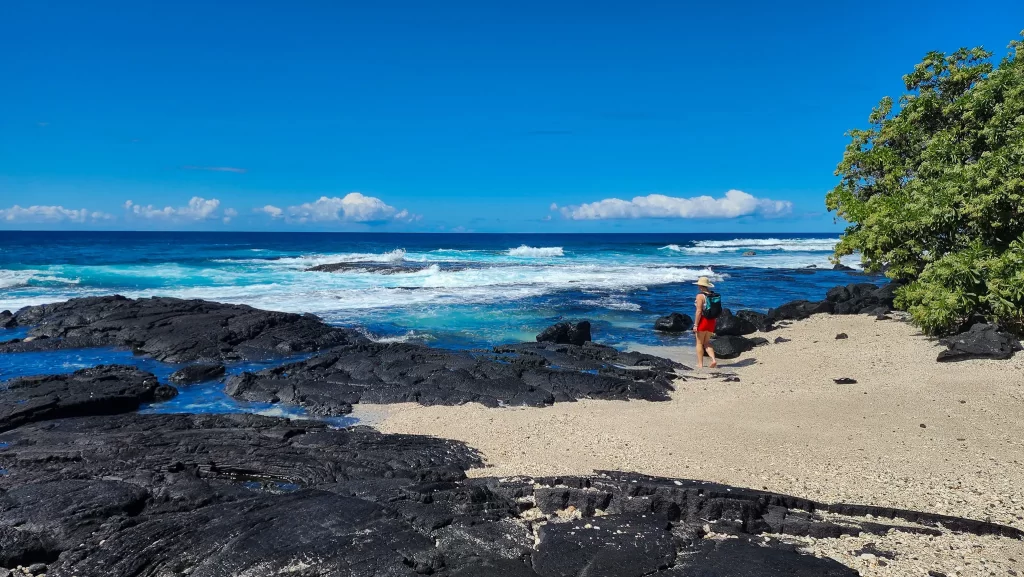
712	305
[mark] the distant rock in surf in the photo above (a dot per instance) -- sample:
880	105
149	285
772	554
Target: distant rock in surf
674	323
566	333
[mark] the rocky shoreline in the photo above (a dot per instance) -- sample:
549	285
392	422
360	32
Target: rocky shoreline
90	487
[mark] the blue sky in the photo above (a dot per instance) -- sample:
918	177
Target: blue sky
486	116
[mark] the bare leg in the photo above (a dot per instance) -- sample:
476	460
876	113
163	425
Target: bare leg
710	349
700	349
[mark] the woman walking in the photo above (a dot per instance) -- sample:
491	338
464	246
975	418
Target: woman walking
709	306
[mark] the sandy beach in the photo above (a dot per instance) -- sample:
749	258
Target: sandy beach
911	433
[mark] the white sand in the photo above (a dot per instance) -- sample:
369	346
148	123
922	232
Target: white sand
787	427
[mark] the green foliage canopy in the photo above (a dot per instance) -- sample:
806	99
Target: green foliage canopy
934	191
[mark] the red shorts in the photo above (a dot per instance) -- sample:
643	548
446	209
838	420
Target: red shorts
706	325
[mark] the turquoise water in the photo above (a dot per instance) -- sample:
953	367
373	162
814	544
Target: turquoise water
458	291
455	290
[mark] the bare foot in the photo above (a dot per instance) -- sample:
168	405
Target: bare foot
714	364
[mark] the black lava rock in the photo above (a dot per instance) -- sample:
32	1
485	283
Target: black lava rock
761	321
533	374
799	310
674	323
862	298
566	333
7	320
842	336
845	381
197	374
102	390
780	340
730	325
175	330
262	496
840	266
982	341
731	346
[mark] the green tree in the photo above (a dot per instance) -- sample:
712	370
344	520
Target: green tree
934	190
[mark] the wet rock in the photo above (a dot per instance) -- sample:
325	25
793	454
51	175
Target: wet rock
532	374
982	341
749	253
197	374
674	323
566	333
842	336
728	324
843	267
36	569
175	330
102	390
7	320
799	310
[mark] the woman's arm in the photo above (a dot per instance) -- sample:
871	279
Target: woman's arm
699	314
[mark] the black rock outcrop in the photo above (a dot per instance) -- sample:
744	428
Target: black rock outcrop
566	333
734	325
862	298
175	330
856	298
982	341
245	495
761	321
102	390
799	310
674	323
732	346
197	374
533	374
7	320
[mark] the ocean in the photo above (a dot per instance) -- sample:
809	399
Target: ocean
446	290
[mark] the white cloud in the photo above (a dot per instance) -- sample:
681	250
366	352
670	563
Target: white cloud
229	213
272	210
198	209
735	203
50	214
353	207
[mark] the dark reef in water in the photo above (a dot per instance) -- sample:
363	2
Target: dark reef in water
102	390
175	330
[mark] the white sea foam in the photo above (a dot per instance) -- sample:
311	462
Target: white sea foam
791	244
10	279
536	252
613	303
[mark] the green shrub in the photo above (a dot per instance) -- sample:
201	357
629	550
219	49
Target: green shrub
934	192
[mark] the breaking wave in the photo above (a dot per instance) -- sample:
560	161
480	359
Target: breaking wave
536	252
